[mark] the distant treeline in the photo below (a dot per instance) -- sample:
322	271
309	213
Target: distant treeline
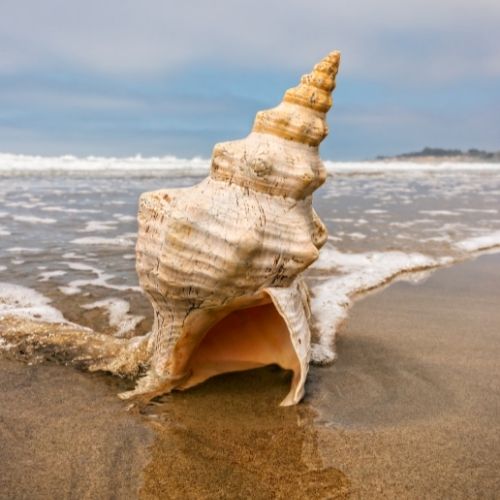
473	154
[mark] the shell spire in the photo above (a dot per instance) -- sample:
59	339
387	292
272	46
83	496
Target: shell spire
301	116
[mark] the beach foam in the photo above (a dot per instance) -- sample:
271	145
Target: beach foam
68	210
11	164
72	255
23	302
171	166
357	273
478	243
438	212
125	218
34	220
118	313
381	166
121	241
375	236
101	280
92	226
47	275
24	250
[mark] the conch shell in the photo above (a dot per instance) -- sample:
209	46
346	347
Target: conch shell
221	261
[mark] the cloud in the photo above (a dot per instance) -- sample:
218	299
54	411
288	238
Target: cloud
415	40
158	76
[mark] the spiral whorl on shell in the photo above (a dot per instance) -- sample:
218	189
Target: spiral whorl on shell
221	261
306	124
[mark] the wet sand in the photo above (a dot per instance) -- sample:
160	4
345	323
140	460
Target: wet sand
411	409
64	434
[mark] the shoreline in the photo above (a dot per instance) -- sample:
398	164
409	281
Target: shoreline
401	413
168	166
415	389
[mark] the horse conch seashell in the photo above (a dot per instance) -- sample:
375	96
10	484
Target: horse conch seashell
221	261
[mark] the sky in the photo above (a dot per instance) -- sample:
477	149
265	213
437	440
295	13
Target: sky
160	77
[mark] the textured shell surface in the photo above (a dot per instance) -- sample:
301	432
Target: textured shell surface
221	261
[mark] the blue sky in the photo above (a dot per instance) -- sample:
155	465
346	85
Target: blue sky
156	77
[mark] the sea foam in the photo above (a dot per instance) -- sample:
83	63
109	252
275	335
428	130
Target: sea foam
337	279
12	164
121	241
118	314
358	273
172	166
23	302
479	242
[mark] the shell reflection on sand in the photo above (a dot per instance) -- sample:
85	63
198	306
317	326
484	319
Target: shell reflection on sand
252	449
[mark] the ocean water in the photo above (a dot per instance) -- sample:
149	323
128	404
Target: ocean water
68	229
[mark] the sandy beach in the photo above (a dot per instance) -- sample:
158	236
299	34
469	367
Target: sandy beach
413	400
249	251
410	409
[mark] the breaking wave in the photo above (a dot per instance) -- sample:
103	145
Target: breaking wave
172	166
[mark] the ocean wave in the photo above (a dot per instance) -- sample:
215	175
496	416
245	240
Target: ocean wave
172	166
383	166
98	166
